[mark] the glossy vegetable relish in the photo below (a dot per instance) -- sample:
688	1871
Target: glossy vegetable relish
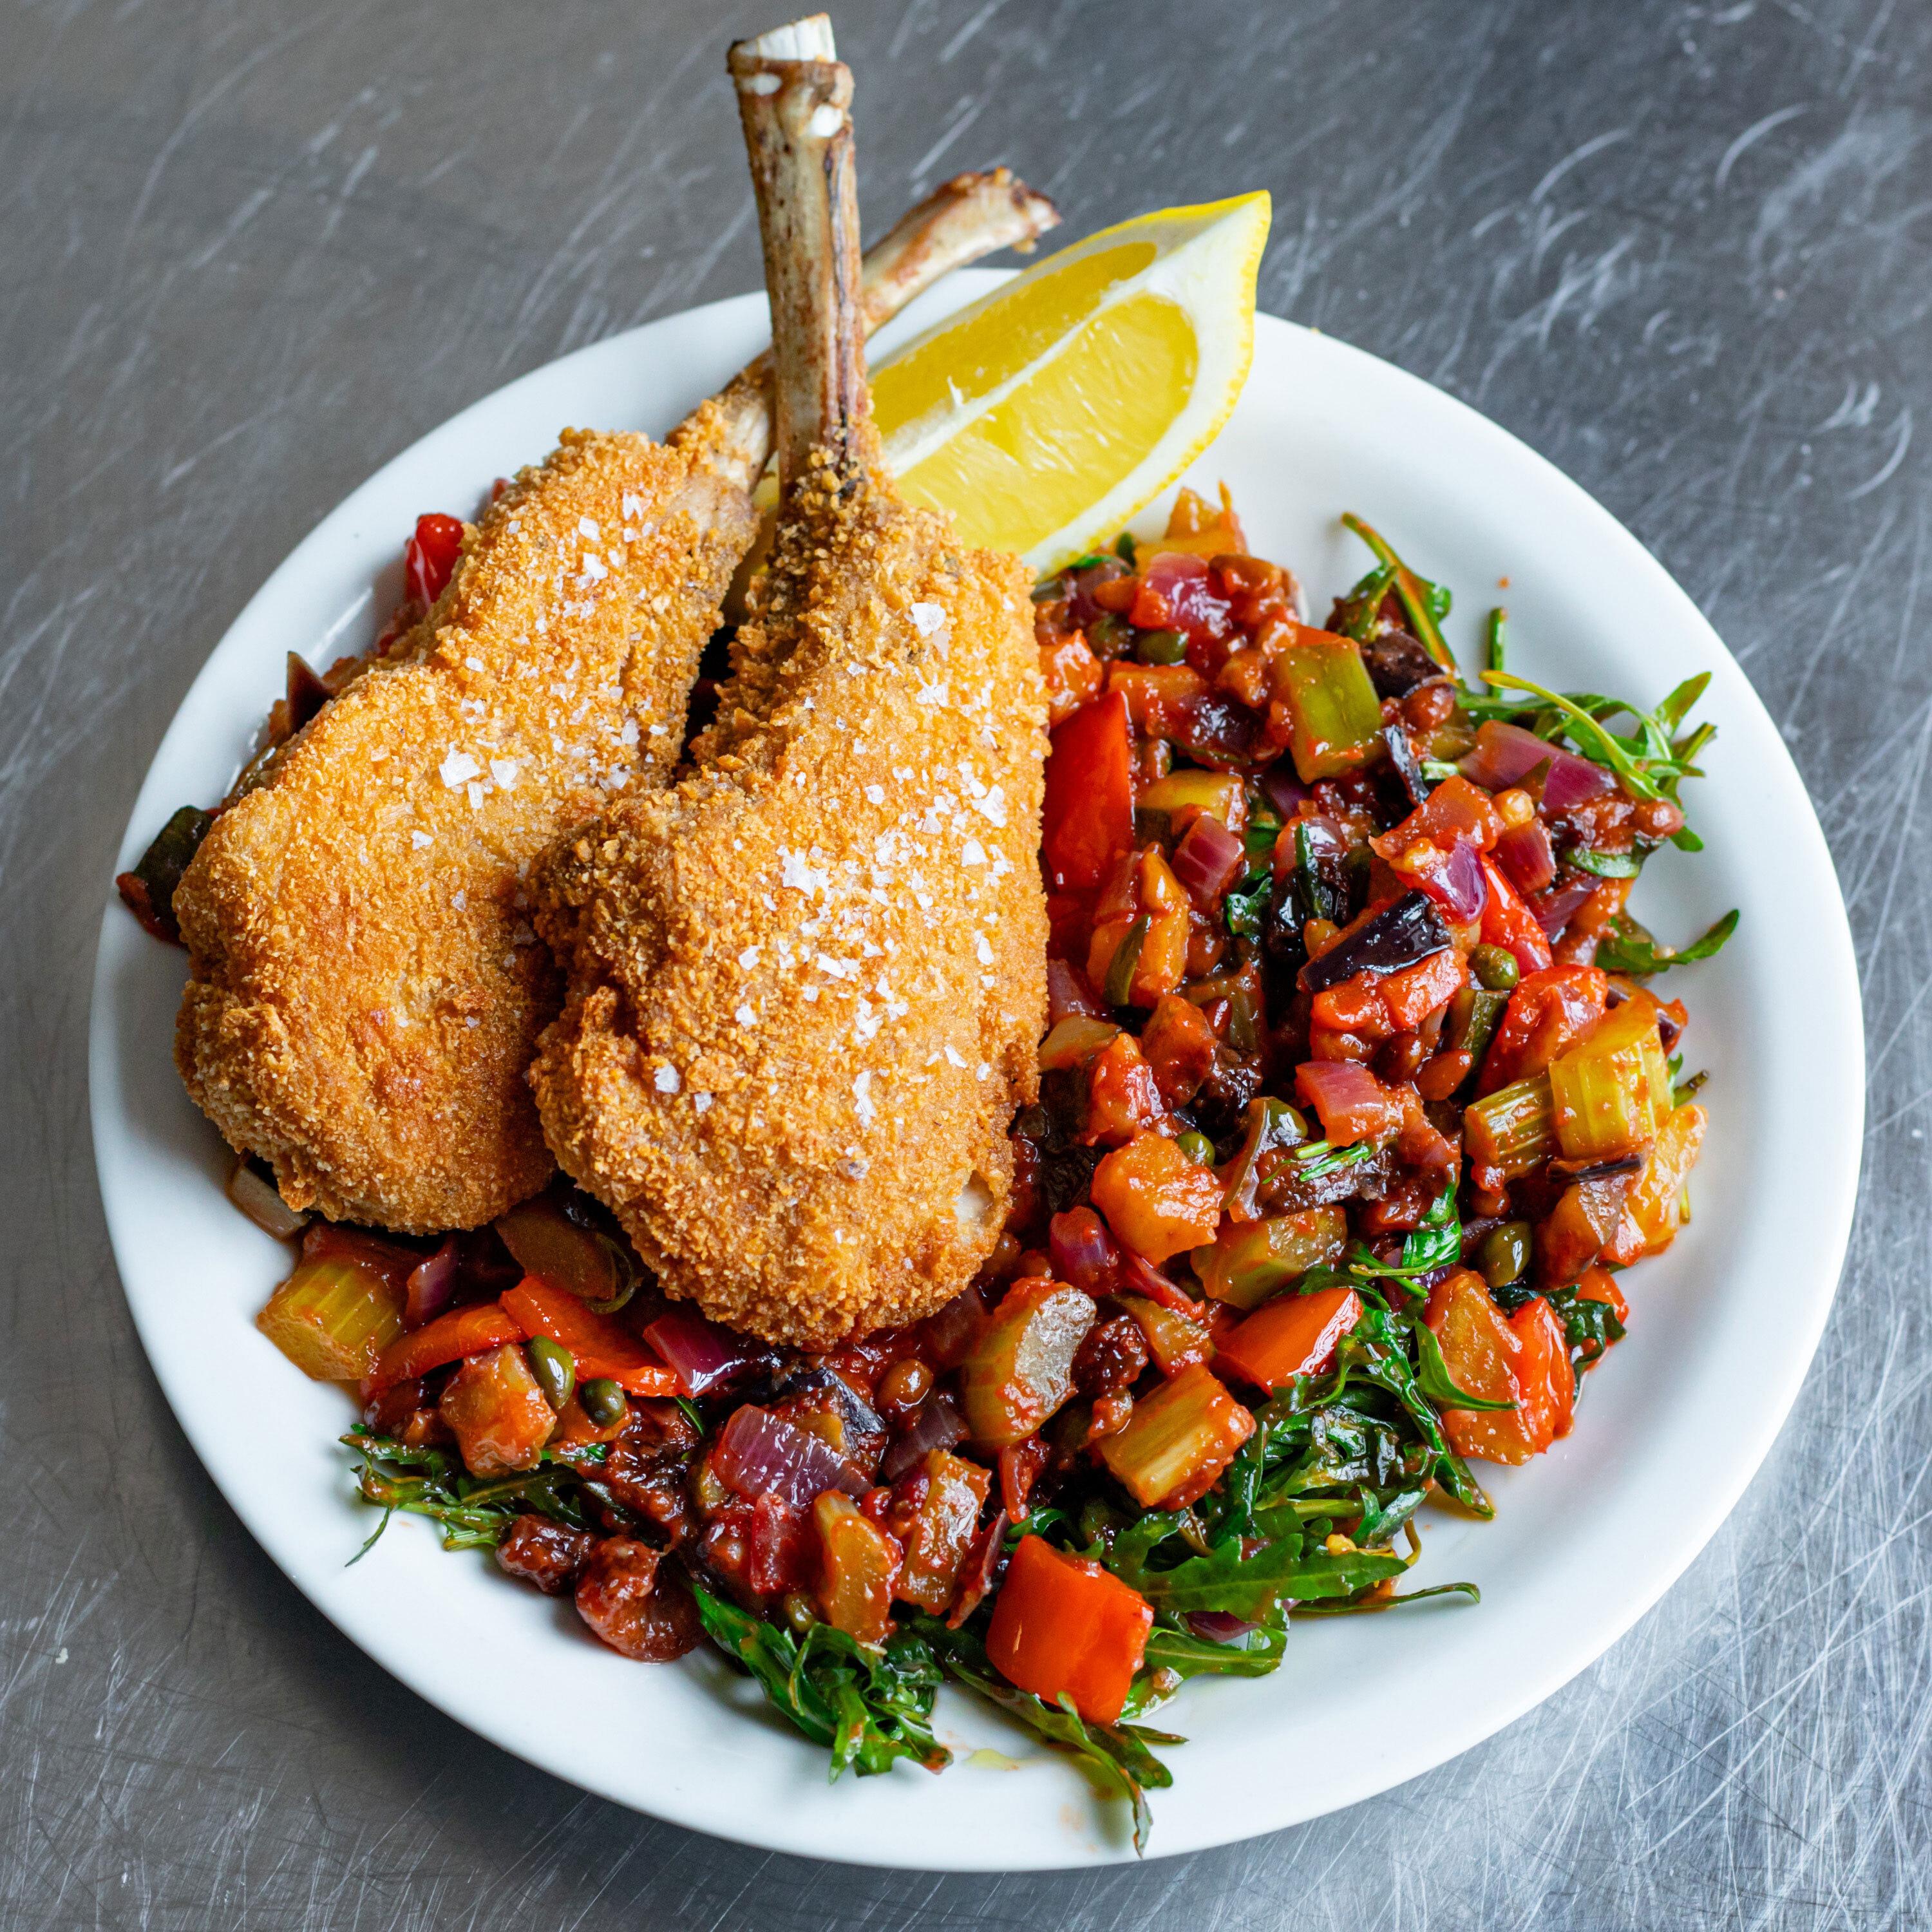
1355	1104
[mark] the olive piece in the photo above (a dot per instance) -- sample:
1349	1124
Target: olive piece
1495	967
1160	647
1505	1253
555	1368
603	1402
1197	1147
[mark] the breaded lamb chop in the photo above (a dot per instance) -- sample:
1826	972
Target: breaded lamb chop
365	992
807	984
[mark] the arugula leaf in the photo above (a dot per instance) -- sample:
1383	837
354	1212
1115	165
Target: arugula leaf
1424	603
1374	1350
1628	947
1602	865
1245	905
1254	1653
868	1706
1433	1378
1252	1585
1388	1602
475	1512
1117	1756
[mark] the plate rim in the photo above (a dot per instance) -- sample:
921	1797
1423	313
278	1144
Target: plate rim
1692	1530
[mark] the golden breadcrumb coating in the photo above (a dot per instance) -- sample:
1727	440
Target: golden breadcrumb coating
366	991
807	984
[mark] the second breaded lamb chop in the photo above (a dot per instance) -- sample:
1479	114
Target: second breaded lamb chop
807	984
365	992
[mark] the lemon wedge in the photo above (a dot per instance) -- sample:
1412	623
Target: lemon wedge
1045	415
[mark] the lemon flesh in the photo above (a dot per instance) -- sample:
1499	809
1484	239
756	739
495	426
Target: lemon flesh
1045	414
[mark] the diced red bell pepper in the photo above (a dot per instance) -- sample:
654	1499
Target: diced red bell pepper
1524	1359
1545	1384
1122	1096
1293	1335
1456	810
429	557
1073	674
1414	992
463	1332
1547	1011
1088	818
1509	923
1063	1626
601	1348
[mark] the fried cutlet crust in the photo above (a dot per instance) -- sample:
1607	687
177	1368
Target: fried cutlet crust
807	984
365	992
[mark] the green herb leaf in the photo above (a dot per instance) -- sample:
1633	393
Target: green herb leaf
1425	604
475	1512
1604	865
1628	947
869	1706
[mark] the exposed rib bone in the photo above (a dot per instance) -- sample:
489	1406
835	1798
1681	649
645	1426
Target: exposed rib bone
971	216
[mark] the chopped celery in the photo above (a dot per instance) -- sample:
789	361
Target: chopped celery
1247	1264
1218	794
1020	1369
1610	1091
1337	718
1178	1441
1073	1042
332	1318
1513	1130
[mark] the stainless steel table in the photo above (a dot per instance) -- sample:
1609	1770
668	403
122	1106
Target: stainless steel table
249	251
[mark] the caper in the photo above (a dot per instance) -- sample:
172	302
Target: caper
1160	647
1495	967
1197	1147
555	1368
603	1402
800	1611
1505	1253
1107	635
1030	1123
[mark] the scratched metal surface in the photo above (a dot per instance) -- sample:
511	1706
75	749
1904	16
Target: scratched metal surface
252	250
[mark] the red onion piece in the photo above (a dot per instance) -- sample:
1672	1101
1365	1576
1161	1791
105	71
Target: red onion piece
1207	860
1525	854
1141	1275
946	1336
1218	1626
1283	789
1505	755
700	1353
938	1424
1177	592
432	1286
1085	1254
758	1454
1353	1104
1457	885
1067	993
1555	909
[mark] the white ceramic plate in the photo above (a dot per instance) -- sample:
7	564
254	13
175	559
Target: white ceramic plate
1585	1540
